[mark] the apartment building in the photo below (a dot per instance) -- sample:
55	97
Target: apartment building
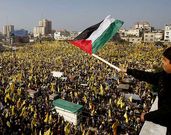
8	30
43	29
132	32
38	31
47	24
144	25
167	33
153	36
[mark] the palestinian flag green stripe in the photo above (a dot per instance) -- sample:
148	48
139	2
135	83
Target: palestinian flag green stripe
106	35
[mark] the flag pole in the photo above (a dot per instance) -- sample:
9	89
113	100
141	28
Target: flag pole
118	69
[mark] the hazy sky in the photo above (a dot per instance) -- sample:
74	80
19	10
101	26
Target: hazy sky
80	14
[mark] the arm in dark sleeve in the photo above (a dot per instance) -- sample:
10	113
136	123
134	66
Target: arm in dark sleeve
143	76
160	116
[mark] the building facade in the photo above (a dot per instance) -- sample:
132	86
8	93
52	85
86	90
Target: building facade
153	37
44	28
8	30
47	24
132	39
38	31
159	36
149	37
133	32
167	33
143	26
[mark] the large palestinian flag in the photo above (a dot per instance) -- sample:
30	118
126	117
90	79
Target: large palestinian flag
94	37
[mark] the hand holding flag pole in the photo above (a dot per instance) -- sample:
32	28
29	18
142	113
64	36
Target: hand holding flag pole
95	37
115	67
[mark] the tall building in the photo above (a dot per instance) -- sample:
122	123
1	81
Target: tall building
47	24
167	33
44	28
8	30
38	31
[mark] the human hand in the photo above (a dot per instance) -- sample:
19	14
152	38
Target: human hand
123	70
142	116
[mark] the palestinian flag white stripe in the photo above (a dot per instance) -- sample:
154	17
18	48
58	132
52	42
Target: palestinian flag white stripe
103	26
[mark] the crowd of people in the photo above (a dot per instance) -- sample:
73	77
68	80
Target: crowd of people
86	81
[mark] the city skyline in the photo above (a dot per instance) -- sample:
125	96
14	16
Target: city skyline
76	15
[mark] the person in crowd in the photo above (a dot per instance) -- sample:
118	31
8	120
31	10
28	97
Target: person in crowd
86	81
162	80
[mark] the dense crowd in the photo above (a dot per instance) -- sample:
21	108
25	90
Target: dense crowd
105	109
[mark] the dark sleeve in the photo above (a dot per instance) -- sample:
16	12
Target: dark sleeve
160	116
149	77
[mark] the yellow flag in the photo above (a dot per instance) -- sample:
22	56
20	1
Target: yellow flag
18	103
19	91
126	117
23	103
52	87
101	90
40	133
30	77
47	132
7	96
122	104
22	111
33	123
29	85
31	70
8	124
19	77
6	115
130	98
30	107
94	89
67	129
109	113
107	87
119	101
110	101
12	110
13	98
92	78
35	115
46	118
90	105
12	86
50	118
85	99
